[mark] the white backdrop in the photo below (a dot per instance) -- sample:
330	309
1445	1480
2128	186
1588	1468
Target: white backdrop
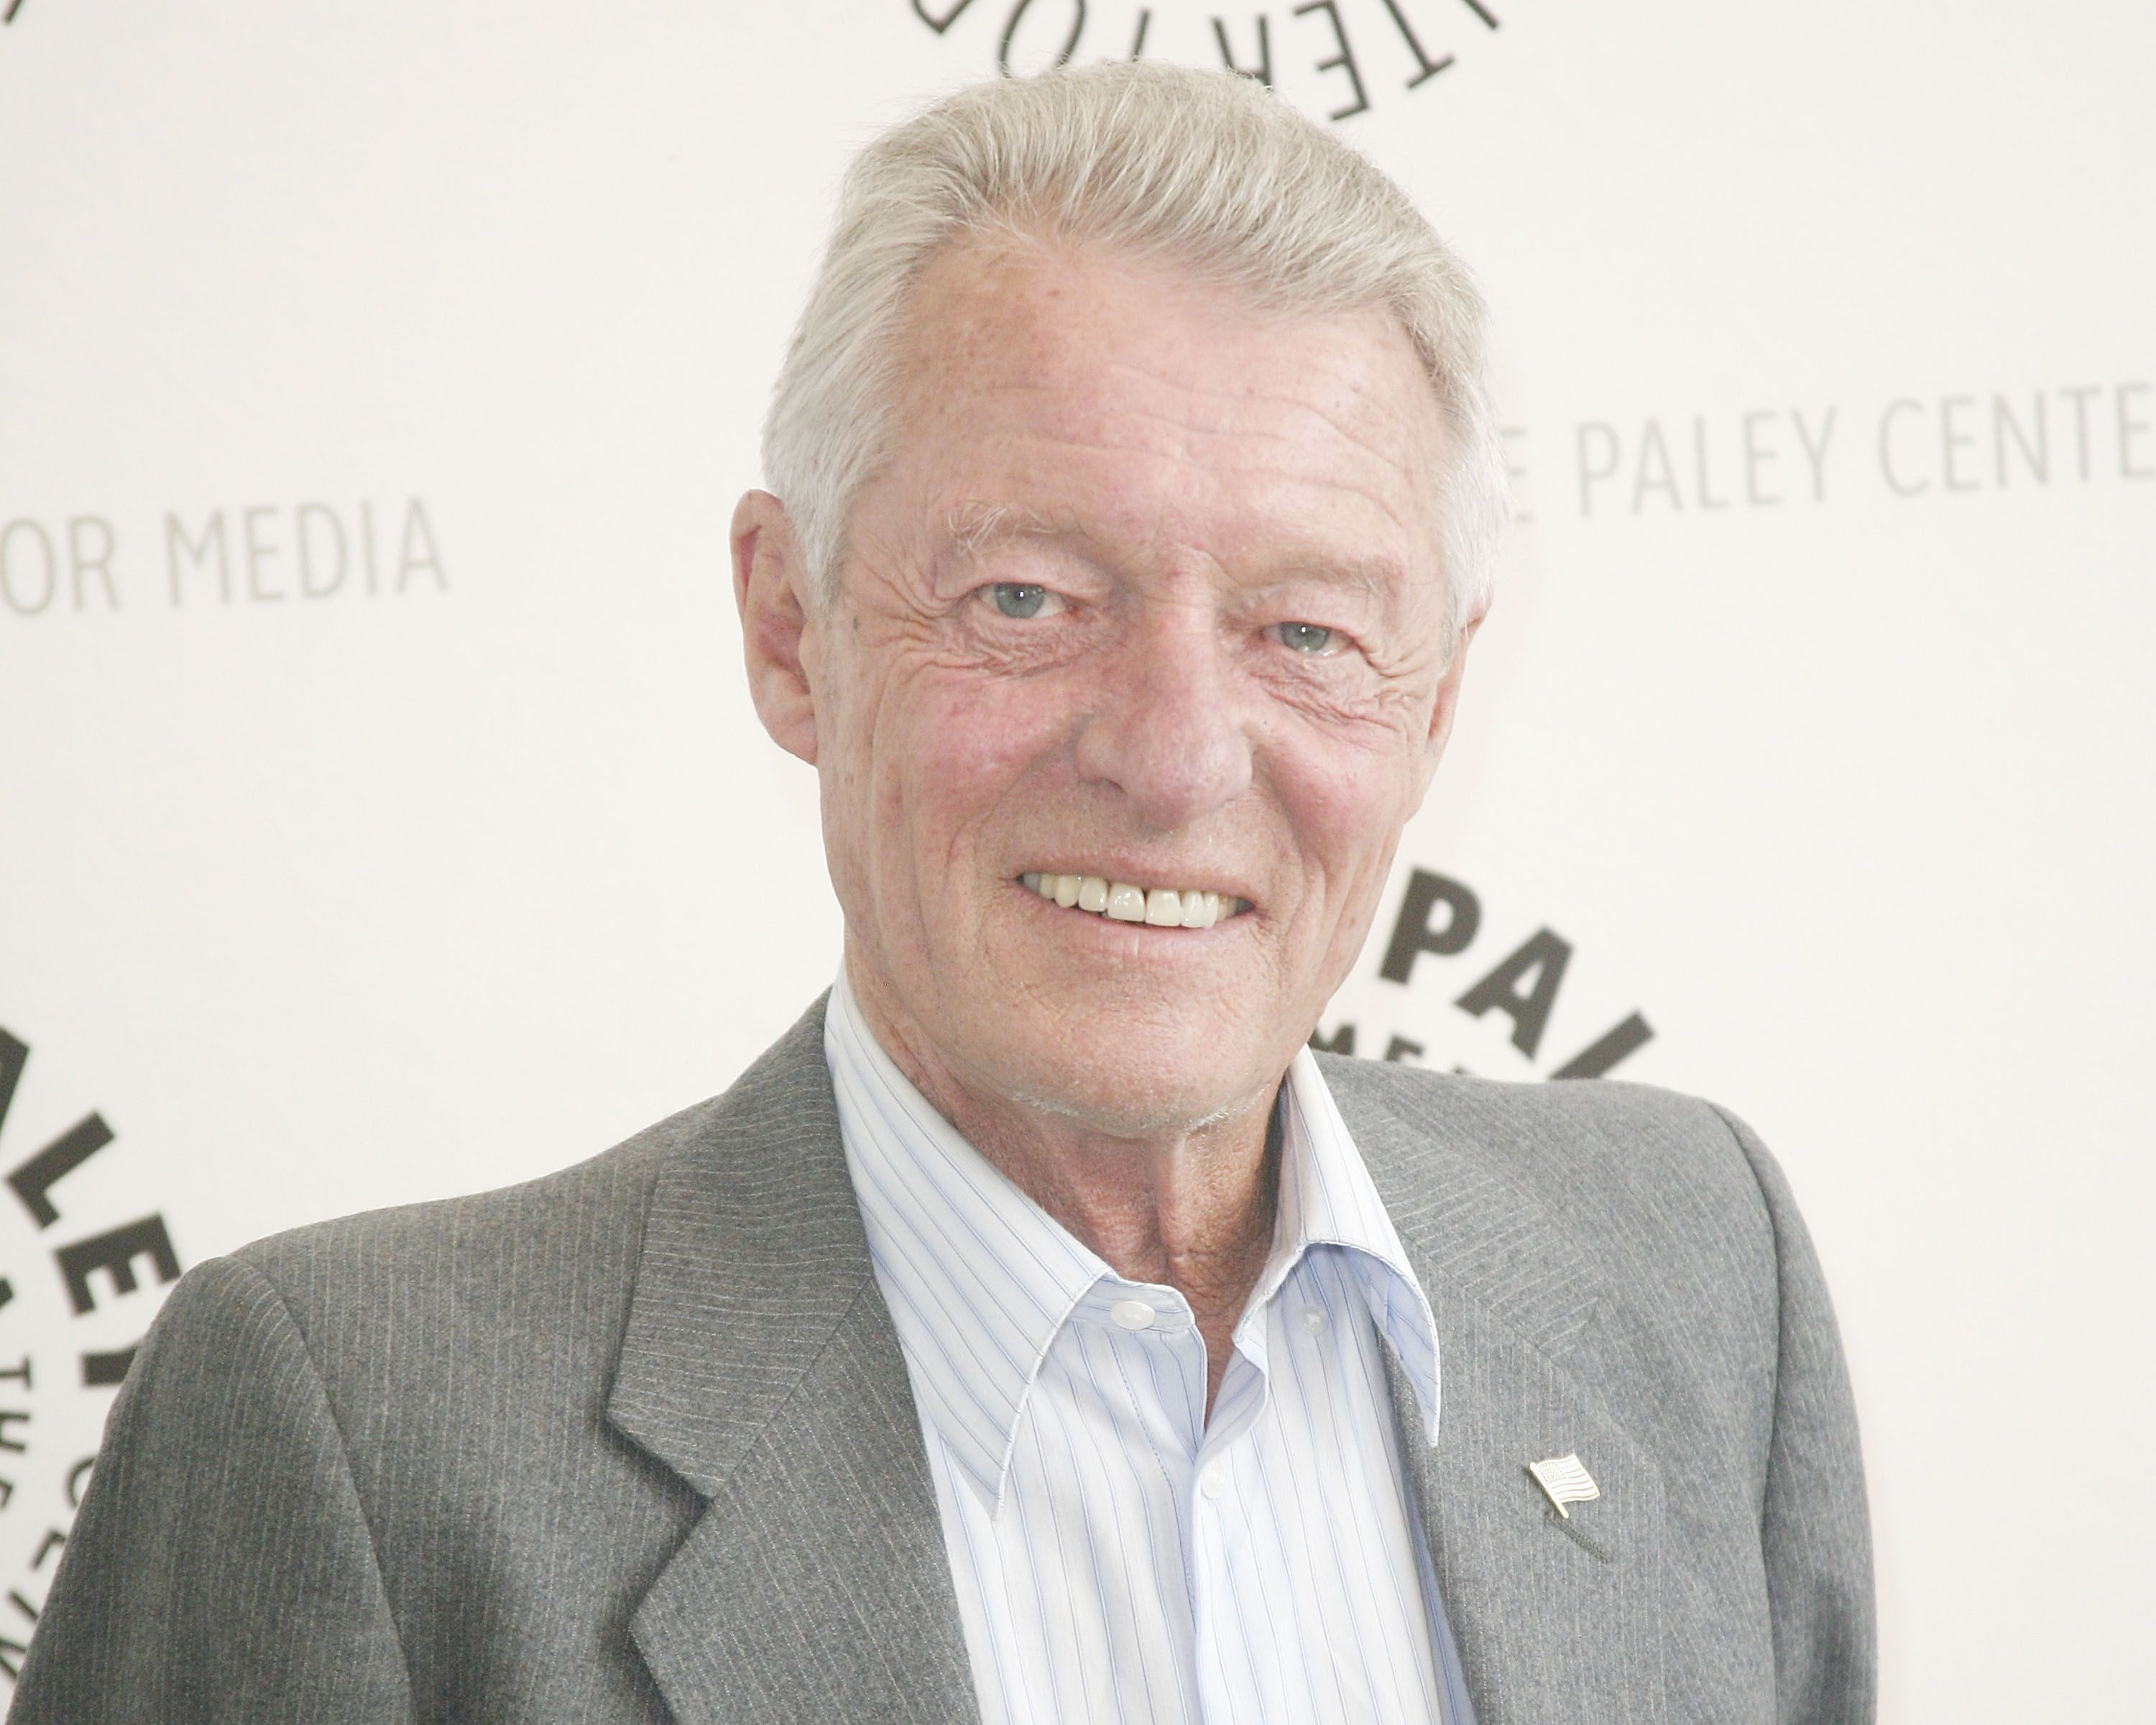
381	816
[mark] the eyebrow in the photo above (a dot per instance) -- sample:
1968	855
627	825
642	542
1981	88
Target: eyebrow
975	527
1378	582
1379	578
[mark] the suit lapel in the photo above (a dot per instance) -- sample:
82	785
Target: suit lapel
1556	1622
760	1364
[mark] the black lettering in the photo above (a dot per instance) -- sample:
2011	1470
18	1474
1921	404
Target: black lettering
1145	24
1400	1048
1599	1055
8	564
1708	500
75	1474
1344	60
102	1371
35	1180
1590	472
14	1446
1523	987
11	1657
52	1542
212	539
1429	68
115	1253
1264	74
1010	32
14	1055
1886	468
1816	452
419	531
1341	1041
259	549
1755	458
2129	428
1412	934
2081	398
81	563
303	543
940	25
1655	453
366	541
2035	451
1953	437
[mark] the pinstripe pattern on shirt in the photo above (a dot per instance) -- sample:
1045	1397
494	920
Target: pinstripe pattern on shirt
1116	1555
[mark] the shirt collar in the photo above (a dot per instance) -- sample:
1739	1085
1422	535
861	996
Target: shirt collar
980	1280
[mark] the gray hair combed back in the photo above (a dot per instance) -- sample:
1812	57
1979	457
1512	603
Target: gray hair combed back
1207	171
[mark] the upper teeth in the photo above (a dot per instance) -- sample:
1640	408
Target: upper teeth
1162	906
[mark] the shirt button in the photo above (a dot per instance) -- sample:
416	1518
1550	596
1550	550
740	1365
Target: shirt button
1131	1314
1313	1320
1214	1479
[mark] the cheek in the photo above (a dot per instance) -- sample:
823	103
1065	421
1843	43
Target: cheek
1345	806
950	748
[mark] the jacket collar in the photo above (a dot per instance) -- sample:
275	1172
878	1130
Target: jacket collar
1557	1620
759	1363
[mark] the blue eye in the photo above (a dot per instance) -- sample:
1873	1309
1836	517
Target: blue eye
1017	599
1305	637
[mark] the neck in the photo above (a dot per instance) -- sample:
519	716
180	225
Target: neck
1189	1208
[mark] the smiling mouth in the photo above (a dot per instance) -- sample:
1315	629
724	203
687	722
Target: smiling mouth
1121	901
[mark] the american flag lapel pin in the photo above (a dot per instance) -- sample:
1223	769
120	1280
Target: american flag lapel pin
1564	1480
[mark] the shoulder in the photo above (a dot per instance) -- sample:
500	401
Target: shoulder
554	1256
1659	1190
1555	1136
544	1268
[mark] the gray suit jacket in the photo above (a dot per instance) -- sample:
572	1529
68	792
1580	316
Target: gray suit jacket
635	1441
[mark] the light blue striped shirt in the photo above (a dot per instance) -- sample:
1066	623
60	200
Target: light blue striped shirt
1116	1556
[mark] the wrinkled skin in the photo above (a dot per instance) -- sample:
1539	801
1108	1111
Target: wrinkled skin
1235	677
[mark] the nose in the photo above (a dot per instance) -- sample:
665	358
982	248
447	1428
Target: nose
1166	730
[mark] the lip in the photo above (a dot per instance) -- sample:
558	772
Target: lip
1129	941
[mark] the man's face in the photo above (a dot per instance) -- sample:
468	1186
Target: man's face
1150	594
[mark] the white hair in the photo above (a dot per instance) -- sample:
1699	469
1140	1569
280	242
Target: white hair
1207	171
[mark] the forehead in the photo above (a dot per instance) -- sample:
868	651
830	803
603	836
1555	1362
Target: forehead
1134	401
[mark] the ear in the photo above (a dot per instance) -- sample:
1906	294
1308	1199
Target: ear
771	588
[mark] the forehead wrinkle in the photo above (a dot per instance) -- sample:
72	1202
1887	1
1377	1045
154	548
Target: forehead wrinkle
1220	469
1248	395
1378	449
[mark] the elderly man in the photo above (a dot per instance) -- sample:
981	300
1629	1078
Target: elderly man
1039	1333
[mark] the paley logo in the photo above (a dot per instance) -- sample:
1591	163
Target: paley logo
58	1360
1440	918
1338	58
2015	437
